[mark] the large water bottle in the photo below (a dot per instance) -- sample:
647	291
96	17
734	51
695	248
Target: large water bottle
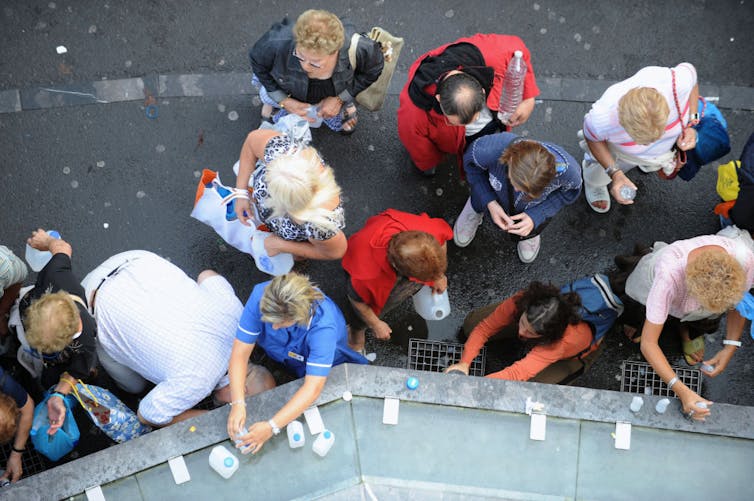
296	437
513	87
323	443
37	259
431	306
222	461
279	264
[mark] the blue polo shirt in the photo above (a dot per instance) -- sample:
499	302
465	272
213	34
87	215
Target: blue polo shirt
304	350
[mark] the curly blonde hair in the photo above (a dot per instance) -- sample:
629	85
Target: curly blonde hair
51	321
716	280
531	166
643	112
289	298
319	31
9	415
300	184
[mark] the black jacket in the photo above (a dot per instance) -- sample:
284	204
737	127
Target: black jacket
281	74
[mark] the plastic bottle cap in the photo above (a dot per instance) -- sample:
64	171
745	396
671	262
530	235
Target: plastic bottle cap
412	383
518	53
296	437
228	462
327	434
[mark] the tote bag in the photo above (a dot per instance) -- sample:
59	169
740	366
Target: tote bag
373	97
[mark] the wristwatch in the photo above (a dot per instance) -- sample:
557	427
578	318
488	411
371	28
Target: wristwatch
611	170
732	342
275	429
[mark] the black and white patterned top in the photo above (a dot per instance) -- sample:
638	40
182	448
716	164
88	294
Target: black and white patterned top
284	226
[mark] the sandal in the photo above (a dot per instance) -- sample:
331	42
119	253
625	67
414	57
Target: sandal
597	194
349	119
692	346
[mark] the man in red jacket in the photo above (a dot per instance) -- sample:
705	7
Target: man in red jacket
453	93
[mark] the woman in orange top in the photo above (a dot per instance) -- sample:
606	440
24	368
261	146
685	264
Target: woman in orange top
548	325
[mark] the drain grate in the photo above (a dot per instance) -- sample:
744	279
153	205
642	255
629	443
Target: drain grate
639	377
436	356
31	461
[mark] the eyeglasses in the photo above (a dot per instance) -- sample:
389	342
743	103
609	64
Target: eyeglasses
306	61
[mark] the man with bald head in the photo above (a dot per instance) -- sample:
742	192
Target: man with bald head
452	97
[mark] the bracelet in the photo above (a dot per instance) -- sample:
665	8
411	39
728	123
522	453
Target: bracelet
20	451
275	429
57	394
731	342
672	382
238	402
610	171
242	193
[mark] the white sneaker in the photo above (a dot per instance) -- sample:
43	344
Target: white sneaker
466	225
528	249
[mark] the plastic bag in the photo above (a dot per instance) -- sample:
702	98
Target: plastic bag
63	441
108	413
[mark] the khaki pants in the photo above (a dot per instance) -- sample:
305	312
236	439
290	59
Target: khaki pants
561	372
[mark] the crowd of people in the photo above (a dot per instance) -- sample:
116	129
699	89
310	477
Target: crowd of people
139	322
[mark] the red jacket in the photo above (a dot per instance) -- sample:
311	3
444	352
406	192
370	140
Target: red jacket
366	262
425	134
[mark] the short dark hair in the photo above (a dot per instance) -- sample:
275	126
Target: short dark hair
461	95
548	311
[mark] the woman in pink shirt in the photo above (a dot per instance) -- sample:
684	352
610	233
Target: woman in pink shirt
687	284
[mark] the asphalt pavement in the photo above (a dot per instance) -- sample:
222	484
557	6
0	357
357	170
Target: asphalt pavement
81	156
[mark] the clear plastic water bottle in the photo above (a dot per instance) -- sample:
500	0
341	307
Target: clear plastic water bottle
296	437
37	259
627	192
313	113
323	443
222	461
513	87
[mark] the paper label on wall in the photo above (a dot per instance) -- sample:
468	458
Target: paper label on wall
390	411
179	470
314	420
538	426
622	435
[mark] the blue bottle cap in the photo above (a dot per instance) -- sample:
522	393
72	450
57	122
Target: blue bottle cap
412	383
327	434
296	437
54	234
228	462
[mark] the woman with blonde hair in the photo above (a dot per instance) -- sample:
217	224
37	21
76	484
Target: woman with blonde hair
636	122
687	286
521	183
294	194
297	326
58	326
307	66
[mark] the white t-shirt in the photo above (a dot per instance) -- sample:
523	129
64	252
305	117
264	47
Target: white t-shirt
176	333
485	117
601	123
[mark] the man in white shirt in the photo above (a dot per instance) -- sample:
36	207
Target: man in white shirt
156	324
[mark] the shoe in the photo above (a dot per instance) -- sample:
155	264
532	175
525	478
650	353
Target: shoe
595	193
349	120
528	249
429	172
466	225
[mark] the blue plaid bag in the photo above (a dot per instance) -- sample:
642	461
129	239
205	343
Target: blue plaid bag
108	413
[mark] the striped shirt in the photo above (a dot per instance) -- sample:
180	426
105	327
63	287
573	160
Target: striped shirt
601	123
12	269
176	333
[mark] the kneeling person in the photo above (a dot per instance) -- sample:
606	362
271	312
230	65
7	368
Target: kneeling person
297	326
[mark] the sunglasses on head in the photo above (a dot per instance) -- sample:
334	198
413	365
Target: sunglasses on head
302	60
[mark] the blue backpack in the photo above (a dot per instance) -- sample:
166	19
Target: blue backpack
600	307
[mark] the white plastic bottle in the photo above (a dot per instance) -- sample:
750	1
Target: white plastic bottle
636	404
279	264
432	306
296	437
323	443
513	87
222	461
37	259
662	405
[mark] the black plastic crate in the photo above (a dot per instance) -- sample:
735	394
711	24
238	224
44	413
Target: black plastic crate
639	377
436	356
31	461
